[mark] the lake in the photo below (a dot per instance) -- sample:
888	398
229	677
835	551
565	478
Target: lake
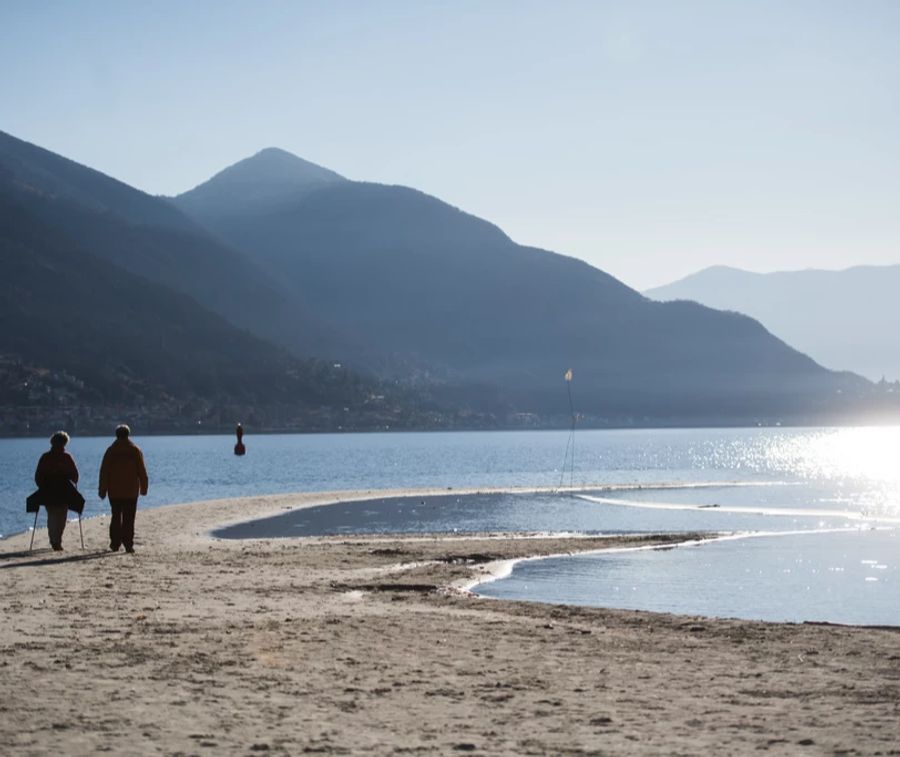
839	487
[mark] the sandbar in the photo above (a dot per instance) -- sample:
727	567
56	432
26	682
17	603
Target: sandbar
344	645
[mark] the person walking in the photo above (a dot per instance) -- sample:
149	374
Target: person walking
123	476
56	475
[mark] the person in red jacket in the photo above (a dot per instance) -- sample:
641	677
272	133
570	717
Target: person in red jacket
123	476
54	471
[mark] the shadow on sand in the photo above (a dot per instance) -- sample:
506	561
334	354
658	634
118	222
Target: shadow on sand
45	556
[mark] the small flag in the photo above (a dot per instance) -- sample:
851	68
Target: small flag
569	375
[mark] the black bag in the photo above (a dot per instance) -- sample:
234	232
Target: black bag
60	492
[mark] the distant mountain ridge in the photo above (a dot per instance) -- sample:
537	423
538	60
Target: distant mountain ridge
38	173
231	286
113	295
846	320
453	296
270	176
128	342
114	328
147	236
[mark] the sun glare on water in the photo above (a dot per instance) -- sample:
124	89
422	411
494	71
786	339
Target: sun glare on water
871	453
859	456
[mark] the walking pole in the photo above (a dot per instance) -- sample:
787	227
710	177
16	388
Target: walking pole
34	528
80	531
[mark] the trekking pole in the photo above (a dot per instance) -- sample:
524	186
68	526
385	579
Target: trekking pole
80	531
34	528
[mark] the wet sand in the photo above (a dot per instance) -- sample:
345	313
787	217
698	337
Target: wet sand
340	645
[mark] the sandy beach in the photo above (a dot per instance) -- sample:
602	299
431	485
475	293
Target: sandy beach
196	645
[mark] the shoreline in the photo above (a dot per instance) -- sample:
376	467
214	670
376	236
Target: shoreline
367	494
503	568
580	491
227	430
344	644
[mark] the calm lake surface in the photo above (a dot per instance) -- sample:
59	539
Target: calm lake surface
827	500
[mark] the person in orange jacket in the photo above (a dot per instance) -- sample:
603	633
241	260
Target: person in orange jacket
123	476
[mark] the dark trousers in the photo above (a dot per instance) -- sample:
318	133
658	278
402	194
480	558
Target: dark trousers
56	523
121	525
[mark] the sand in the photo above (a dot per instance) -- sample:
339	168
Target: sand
346	645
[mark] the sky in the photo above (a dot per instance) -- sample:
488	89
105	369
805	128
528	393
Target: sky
649	138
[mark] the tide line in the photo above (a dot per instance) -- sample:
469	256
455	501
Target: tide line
500	569
786	511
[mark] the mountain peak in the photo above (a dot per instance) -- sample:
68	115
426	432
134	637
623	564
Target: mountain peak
273	163
271	175
277	151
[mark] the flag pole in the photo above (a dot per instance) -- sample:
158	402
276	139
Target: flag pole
574	417
570	443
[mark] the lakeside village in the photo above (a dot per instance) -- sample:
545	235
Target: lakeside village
37	401
47	413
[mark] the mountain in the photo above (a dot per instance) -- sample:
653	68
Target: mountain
226	287
452	297
846	319
149	237
108	310
125	341
269	177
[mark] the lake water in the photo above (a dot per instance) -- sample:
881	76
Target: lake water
828	498
840	577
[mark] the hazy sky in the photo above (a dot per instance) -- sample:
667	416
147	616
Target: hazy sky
649	138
